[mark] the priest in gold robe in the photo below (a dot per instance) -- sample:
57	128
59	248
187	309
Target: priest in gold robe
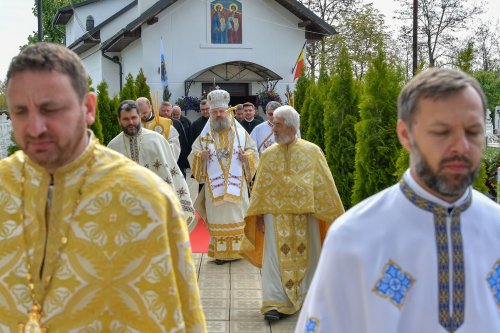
294	200
152	121
153	152
224	158
89	240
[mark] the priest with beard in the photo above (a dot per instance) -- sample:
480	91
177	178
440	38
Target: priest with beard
224	157
423	255
153	152
294	200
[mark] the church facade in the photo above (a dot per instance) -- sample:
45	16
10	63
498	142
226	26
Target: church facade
242	46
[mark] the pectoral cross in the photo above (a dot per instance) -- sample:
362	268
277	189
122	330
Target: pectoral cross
33	325
207	139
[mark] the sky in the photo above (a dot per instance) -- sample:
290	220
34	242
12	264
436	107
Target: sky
17	22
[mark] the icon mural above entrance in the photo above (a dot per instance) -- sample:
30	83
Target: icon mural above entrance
226	24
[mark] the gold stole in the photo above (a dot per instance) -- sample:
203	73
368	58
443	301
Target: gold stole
292	244
160	125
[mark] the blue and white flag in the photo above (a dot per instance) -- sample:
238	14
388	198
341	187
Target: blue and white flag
163	66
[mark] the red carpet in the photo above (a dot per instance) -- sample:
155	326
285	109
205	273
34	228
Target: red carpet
199	237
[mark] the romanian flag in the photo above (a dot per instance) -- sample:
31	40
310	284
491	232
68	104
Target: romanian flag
299	64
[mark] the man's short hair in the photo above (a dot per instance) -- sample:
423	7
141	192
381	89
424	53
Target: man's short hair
246	104
52	57
203	102
434	83
272	105
127	105
238	107
165	103
289	115
143	99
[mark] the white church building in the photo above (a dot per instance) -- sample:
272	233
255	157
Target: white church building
241	46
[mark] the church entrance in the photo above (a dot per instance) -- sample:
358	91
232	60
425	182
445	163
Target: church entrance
239	91
236	77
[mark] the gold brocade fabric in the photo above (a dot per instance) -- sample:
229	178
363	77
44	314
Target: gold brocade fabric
295	179
126	266
291	179
160	125
293	253
225	211
224	153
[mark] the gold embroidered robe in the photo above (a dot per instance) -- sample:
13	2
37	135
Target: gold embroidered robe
225	213
293	184
165	127
126	265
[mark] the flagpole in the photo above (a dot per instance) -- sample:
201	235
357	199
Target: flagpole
296	61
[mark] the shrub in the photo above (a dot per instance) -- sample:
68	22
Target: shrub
188	103
267	95
491	160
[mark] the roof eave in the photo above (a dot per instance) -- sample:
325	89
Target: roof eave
132	31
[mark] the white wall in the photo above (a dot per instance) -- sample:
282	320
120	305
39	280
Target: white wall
93	64
133	59
100	11
110	29
145	4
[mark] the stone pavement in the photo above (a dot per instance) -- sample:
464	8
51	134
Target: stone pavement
231	297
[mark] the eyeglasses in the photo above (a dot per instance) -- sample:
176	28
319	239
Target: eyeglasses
204	109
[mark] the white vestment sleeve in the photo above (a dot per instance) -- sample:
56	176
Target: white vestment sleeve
173	140
332	302
253	135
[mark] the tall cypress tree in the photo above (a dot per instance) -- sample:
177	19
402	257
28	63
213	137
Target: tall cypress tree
315	115
402	163
13	147
110	126
141	86
96	127
377	146
128	90
304	113
299	94
316	126
341	115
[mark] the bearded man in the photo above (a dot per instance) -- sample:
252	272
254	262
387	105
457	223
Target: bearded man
153	152
422	255
89	240
295	197
224	157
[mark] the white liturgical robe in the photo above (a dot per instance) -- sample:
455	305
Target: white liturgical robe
152	151
378	271
263	136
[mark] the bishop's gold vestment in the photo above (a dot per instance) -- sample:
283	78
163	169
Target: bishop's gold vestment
293	187
224	198
126	265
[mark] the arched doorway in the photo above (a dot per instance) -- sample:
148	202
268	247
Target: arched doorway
234	77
